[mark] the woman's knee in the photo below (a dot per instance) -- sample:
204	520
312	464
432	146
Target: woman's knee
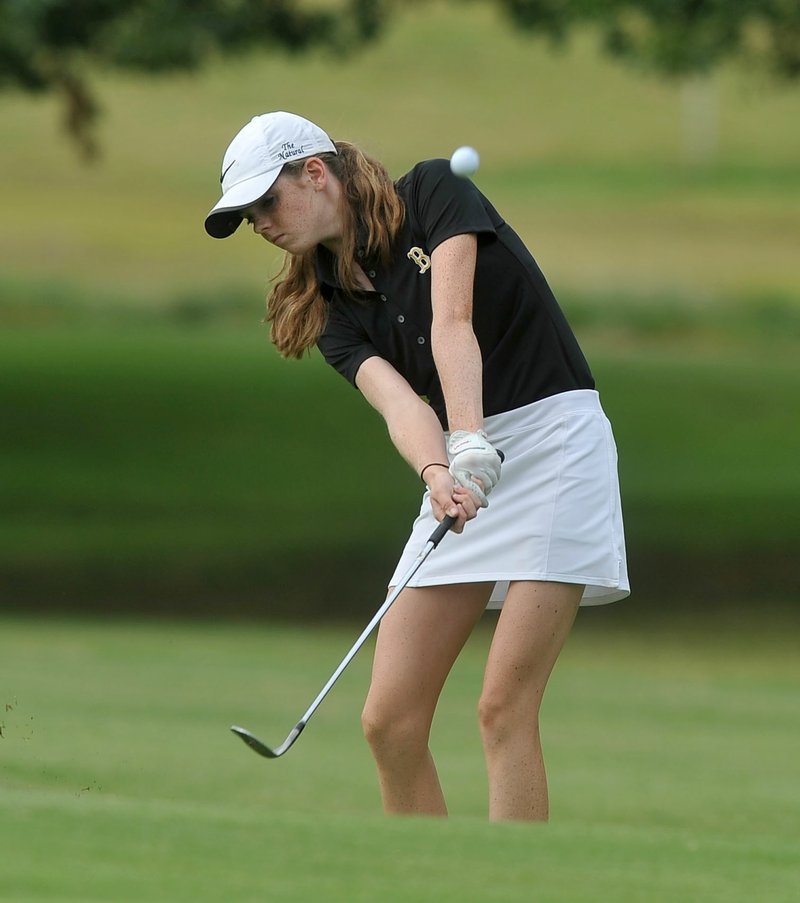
374	724
390	733
503	712
492	709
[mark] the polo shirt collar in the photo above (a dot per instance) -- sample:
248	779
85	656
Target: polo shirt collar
326	261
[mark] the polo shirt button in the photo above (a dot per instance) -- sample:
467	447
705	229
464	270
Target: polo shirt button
401	319
371	274
421	340
360	252
383	297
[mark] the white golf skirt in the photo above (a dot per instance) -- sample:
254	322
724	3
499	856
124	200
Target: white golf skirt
555	514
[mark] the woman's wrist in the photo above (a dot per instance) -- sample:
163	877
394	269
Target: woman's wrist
432	464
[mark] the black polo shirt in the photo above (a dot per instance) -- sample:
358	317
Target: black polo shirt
529	351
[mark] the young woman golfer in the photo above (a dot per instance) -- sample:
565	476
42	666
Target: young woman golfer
420	294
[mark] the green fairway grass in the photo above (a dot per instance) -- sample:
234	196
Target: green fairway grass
672	758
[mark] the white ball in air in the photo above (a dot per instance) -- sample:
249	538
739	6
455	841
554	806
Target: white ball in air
465	161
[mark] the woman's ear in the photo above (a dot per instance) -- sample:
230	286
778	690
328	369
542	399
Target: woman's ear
316	172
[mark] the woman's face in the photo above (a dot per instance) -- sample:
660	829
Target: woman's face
300	211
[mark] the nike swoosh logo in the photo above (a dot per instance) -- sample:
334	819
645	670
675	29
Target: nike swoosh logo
225	171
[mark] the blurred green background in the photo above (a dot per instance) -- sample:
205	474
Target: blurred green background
158	456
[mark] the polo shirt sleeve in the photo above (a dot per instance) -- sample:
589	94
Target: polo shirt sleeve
446	205
344	343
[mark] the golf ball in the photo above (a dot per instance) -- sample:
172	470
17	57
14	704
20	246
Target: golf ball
465	161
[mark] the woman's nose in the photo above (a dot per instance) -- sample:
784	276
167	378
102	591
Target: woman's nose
260	223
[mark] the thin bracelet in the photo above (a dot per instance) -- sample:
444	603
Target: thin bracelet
432	464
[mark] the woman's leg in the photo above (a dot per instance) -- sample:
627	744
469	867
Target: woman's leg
418	641
530	633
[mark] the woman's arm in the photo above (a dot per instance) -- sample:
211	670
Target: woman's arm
457	355
417	435
453	343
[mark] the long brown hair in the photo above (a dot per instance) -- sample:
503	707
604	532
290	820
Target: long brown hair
296	310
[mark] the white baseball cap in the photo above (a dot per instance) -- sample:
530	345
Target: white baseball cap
254	159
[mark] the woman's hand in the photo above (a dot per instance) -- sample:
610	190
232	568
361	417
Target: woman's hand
417	434
448	497
475	463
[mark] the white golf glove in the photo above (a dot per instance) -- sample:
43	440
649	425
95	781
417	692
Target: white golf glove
473	458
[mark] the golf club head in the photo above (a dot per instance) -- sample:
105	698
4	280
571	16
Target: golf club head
253	742
261	748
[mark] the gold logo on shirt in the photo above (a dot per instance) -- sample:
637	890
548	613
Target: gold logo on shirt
420	258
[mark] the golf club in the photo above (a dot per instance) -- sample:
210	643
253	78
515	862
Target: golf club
274	753
268	752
